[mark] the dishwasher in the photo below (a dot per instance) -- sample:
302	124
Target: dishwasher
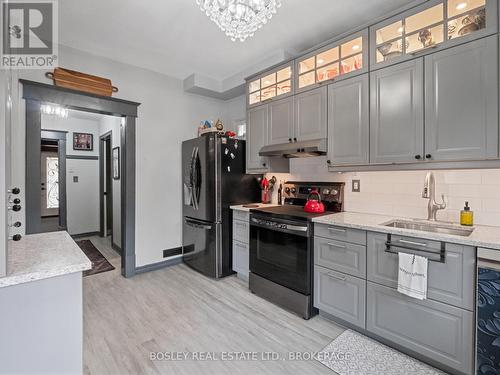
488	312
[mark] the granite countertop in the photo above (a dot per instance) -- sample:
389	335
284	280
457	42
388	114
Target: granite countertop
44	255
247	209
482	236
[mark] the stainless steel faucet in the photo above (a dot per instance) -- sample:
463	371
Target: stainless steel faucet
429	192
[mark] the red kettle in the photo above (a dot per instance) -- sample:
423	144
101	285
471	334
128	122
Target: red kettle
314	206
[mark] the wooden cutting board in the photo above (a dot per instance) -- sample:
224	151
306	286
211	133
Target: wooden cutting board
74	80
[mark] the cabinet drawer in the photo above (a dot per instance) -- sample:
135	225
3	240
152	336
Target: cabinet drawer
241	258
450	282
241	215
434	330
341	234
241	231
340	256
340	295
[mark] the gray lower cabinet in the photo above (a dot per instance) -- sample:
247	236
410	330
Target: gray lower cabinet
257	137
437	331
340	295
450	282
461	102
397	113
340	256
280	121
310	114
348	121
334	232
241	258
241	241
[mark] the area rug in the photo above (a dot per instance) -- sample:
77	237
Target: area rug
354	354
99	262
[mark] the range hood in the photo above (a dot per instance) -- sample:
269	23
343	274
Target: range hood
301	149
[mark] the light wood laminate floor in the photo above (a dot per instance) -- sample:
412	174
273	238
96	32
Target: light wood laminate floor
178	310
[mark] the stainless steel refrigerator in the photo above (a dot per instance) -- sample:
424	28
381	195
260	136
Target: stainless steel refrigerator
214	178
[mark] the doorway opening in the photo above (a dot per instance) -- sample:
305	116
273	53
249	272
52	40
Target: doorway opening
80	147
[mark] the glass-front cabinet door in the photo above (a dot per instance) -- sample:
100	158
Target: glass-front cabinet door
336	61
276	83
432	25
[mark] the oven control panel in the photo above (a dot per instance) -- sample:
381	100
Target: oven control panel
331	193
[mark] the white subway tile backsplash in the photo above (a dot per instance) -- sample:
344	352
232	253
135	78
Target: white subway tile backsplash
399	193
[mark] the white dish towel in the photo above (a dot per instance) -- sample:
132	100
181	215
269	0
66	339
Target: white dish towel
412	276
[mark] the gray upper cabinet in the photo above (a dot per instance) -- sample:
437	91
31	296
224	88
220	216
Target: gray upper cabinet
281	121
461	103
310	111
348	121
339	60
434	25
257	131
397	113
271	85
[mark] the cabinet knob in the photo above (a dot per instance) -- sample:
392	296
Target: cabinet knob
16	201
264	164
15	208
418	157
295	139
289	139
17	224
14	191
428	156
328	162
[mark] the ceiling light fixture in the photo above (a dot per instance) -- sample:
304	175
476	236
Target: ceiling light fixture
461	6
54	110
355	47
239	19
321	61
400	29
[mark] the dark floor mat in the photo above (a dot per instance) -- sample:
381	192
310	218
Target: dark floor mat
99	262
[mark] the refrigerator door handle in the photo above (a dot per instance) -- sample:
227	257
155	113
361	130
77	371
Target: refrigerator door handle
196	179
193	179
195	224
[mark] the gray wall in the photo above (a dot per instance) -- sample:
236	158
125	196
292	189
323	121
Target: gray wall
5	129
82	198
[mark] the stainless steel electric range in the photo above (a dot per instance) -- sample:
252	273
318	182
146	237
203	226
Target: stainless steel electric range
281	246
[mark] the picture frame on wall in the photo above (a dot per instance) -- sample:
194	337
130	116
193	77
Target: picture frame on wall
115	156
83	142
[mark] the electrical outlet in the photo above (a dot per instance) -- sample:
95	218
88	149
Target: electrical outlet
356	186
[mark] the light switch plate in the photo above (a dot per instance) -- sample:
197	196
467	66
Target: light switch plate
356	186
75	179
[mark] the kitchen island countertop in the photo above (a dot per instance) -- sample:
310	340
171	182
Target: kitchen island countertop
41	256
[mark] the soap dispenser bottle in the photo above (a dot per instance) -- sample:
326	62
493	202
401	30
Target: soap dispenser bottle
467	216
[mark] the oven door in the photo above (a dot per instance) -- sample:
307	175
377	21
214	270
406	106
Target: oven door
280	251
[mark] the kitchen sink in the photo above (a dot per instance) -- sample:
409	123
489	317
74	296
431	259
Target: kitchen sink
430	227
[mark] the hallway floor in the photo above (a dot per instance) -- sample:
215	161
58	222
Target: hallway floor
178	310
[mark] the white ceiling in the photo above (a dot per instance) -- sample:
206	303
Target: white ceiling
175	38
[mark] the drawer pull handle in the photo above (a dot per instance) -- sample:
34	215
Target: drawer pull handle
336	230
337	246
406	242
340	278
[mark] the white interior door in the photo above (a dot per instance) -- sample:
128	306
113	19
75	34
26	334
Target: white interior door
49	184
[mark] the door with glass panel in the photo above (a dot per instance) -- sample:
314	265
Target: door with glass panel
274	84
339	60
434	25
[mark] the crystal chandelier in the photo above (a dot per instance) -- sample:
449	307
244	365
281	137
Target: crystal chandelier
239	19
